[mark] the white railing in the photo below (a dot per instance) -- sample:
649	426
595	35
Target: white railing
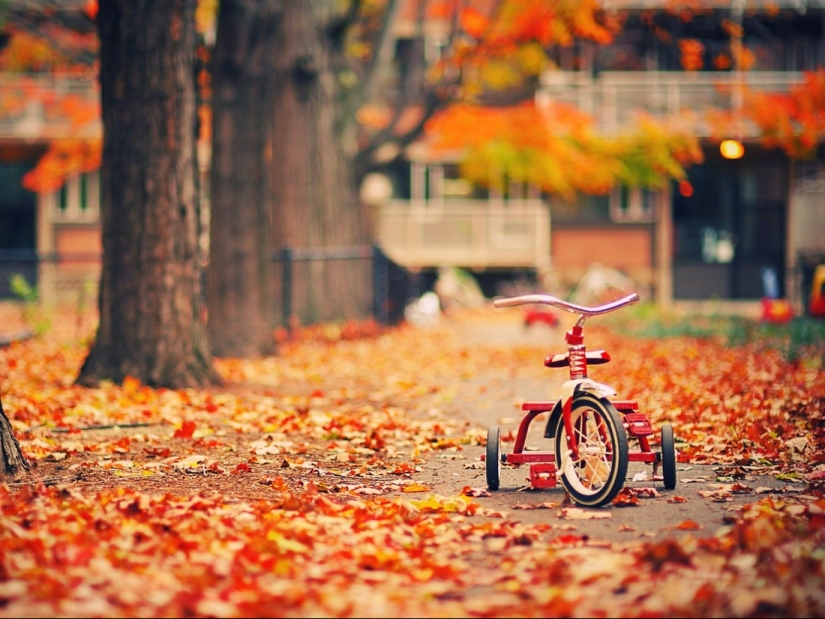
614	98
466	233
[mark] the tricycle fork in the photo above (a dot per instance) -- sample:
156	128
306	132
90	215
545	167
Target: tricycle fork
569	390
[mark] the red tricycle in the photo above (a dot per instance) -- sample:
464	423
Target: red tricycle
590	426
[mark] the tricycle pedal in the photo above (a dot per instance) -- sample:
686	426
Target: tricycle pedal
638	424
543	475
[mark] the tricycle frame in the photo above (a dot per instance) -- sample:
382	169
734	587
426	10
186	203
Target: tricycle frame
590	425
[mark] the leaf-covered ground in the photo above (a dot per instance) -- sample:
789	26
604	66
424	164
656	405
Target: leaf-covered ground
294	489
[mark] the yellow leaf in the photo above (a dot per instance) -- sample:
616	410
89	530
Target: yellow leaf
430	503
286	544
415	487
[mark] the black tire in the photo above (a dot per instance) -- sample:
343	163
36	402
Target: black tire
600	471
668	457
492	459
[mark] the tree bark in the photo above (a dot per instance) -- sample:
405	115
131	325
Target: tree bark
11	456
312	178
152	317
240	274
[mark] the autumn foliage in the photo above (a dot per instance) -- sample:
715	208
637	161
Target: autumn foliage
495	46
503	46
553	146
297	488
556	148
34	57
793	121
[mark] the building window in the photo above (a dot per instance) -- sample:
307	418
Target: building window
433	49
78	200
435	183
63	198
83	192
631	204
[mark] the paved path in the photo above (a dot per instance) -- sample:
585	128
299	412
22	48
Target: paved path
702	498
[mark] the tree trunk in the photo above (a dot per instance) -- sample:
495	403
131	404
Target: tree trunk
152	318
240	276
11	457
312	180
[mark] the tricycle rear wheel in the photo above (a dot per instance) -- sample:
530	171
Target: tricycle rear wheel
492	458
668	457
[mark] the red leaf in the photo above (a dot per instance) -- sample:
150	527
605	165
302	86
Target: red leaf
570	539
160	452
186	430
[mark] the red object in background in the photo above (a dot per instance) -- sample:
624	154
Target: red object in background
777	311
533	316
816	305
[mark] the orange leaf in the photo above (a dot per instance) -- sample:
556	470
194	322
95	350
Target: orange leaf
688	525
473	22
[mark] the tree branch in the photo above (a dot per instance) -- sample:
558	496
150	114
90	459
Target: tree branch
382	57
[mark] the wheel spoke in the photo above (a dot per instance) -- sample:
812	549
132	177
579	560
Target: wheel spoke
593	451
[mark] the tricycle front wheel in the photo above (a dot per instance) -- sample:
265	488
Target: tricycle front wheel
597	474
492	458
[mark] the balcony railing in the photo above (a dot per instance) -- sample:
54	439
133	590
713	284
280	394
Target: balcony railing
466	233
613	98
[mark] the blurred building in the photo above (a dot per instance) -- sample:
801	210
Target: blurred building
713	237
708	239
52	238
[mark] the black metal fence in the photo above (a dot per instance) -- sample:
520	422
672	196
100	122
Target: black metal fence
17	262
392	285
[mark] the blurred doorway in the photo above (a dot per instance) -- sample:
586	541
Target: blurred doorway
729	225
18	240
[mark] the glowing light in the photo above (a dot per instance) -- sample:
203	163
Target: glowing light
731	149
685	188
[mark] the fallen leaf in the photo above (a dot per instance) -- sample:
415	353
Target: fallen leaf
186	430
475	491
415	487
688	525
189	462
577	513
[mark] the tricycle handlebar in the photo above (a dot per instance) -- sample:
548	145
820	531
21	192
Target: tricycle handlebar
546	299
